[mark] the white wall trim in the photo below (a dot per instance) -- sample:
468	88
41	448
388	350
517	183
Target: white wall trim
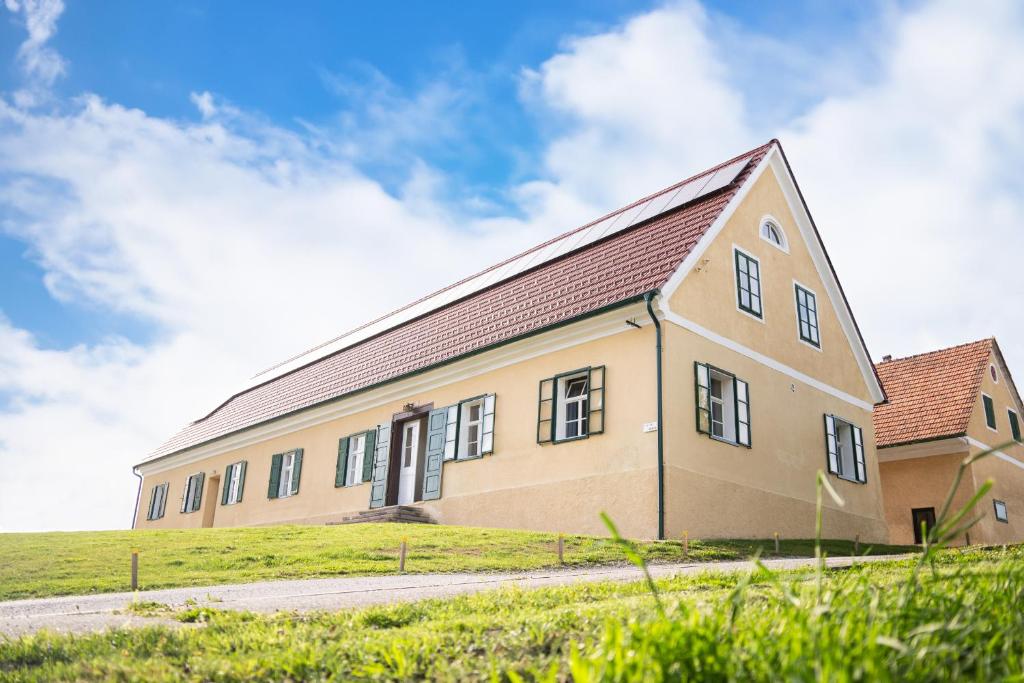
604	325
774	160
697	329
924	449
999	454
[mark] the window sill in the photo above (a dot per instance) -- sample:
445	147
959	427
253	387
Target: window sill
727	442
849	479
570	438
464	458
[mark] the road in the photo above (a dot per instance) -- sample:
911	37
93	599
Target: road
88	613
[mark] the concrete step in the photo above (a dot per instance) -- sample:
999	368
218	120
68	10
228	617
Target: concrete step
402	514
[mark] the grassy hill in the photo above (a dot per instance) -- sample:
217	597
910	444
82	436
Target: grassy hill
47	564
956	619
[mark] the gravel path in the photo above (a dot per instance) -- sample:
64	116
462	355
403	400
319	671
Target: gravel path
79	614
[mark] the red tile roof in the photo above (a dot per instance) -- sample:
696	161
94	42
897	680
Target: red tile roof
613	270
931	395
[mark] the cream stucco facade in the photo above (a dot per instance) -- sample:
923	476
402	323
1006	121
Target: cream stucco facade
712	489
919	476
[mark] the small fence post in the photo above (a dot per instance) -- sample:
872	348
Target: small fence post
967	539
135	569
401	557
561	549
776	542
686	545
856	544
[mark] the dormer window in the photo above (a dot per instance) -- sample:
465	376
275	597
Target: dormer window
773	234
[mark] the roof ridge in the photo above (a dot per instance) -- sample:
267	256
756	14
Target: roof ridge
935	351
708	171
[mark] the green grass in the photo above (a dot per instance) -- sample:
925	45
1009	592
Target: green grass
960	620
47	564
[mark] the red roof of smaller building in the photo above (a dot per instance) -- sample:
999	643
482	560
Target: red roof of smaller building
931	395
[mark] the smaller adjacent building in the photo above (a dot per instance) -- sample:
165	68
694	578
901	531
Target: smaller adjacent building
943	406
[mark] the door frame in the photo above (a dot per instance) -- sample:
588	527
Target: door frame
929	512
398	421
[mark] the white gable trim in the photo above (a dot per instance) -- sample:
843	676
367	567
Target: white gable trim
999	454
673	317
774	160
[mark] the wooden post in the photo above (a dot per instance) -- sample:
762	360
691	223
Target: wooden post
856	544
686	545
135	569
561	549
967	538
401	557
776	542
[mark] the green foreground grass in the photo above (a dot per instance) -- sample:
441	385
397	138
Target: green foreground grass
75	563
959	619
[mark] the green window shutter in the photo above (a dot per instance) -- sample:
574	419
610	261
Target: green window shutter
241	479
197	495
152	502
381	460
437	422
546	411
342	466
228	473
742	396
1014	425
487	434
275	475
860	470
990	412
371	443
831	448
296	472
595	400
702	390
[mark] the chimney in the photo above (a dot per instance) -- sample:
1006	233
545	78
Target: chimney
886	358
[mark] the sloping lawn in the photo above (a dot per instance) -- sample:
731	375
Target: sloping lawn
959	621
47	564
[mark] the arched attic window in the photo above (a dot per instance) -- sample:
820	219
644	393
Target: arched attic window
772	233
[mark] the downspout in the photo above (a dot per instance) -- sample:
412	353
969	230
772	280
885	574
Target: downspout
649	298
138	496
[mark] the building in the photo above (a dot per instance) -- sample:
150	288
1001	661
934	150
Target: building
530	395
942	407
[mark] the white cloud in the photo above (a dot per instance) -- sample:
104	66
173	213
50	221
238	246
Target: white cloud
41	64
242	243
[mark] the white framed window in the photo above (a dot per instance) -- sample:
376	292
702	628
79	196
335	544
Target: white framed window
748	283
157	502
990	411
573	397
284	486
356	456
807	315
844	447
571	405
285	472
772	233
1000	510
723	405
234	480
192	496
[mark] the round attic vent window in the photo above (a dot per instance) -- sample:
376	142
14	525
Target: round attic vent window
992	371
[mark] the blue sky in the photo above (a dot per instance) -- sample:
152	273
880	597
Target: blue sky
287	65
192	191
